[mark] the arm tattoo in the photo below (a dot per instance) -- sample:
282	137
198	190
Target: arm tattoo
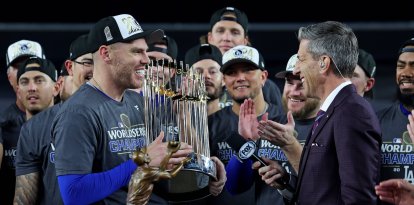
27	187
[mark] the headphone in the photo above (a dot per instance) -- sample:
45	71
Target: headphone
321	64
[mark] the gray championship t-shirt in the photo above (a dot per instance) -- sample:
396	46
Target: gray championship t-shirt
94	133
221	125
397	149
11	121
35	153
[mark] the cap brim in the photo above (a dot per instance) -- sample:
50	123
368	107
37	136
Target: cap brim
229	63
150	36
154	36
20	58
282	74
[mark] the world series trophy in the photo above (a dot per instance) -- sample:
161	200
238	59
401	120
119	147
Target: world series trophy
178	106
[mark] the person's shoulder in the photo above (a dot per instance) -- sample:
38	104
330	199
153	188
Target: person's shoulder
45	117
85	96
222	113
11	111
381	113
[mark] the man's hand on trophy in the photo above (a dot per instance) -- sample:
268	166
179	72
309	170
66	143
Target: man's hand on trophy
216	187
181	155
158	149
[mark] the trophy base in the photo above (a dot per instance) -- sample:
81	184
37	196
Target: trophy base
191	182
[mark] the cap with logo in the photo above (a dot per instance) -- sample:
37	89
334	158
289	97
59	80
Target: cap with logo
45	66
289	67
367	63
171	50
79	47
121	28
221	15
242	54
201	52
403	48
23	48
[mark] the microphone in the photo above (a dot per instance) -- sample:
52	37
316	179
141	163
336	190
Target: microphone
246	150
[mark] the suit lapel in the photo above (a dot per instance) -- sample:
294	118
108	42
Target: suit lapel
346	91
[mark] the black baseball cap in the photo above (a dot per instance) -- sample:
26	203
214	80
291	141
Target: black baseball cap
240	17
171	50
45	66
79	47
119	28
201	52
367	63
403	48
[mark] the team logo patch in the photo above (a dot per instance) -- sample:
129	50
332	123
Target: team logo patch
108	34
127	25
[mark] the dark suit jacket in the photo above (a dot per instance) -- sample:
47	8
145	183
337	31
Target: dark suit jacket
341	161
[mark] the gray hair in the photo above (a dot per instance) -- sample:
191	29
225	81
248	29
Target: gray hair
335	40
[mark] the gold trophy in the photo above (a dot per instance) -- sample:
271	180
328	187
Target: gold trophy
177	106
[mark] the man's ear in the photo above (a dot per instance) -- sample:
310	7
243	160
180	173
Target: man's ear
18	91
104	53
69	67
369	84
56	88
209	37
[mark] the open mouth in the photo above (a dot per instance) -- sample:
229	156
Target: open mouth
296	100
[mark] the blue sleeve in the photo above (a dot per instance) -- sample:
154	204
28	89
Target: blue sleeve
89	188
239	175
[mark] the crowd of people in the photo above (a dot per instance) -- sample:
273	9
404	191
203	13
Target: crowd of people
319	141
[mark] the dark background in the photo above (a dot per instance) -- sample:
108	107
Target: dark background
380	27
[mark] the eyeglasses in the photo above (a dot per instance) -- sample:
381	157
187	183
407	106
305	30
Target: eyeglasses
86	64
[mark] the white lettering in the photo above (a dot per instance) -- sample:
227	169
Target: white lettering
10	153
396	148
408	174
121	133
266	143
223	145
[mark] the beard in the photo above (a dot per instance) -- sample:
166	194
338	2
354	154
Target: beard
307	110
122	74
405	99
215	94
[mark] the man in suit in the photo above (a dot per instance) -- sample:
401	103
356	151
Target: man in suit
340	161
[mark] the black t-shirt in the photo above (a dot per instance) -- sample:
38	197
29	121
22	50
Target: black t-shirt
11	121
396	150
94	133
36	154
221	125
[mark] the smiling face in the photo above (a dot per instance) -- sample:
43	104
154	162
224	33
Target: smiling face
307	68
128	63
405	73
244	81
294	99
81	70
36	90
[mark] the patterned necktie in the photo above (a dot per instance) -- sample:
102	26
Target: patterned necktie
319	116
